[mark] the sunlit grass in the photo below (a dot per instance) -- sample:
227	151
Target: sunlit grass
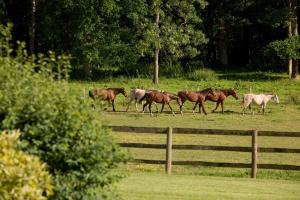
155	186
284	116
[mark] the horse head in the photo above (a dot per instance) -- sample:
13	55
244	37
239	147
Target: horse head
233	93
122	91
275	98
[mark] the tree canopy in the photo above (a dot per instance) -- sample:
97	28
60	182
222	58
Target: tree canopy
133	37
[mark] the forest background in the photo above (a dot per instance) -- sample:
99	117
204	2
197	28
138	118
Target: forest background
152	38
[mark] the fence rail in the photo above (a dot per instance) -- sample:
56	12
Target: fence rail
169	146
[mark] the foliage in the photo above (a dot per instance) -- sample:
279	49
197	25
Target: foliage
104	34
91	31
22	176
59	126
285	49
203	74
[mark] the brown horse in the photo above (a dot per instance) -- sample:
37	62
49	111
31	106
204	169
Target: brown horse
198	97
158	97
108	94
220	96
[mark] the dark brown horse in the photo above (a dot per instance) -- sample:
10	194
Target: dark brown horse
108	94
198	97
220	96
158	97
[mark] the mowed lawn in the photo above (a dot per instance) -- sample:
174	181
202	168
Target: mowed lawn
157	186
150	182
280	117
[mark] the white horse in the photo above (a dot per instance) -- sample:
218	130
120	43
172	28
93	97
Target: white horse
259	99
136	95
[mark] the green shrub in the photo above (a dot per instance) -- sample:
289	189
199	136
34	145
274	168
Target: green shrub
203	74
22	176
59	125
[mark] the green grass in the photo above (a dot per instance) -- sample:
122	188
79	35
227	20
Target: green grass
156	186
279	117
188	182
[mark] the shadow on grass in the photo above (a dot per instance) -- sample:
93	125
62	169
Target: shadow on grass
155	113
226	112
258	76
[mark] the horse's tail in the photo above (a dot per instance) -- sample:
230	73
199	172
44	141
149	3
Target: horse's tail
180	98
142	99
91	94
243	103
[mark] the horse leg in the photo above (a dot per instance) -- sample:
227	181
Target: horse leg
150	109
195	107
180	106
263	108
222	106
217	105
171	109
130	101
162	107
156	107
145	106
246	105
136	108
113	105
203	109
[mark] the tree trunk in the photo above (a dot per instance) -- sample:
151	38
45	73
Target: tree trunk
294	74
156	58
294	30
290	61
87	68
32	26
223	42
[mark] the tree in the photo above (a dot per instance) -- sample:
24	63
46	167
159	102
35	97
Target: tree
32	25
166	27
284	14
293	31
90	31
288	49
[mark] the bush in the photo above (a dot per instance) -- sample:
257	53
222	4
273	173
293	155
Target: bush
59	125
22	176
203	74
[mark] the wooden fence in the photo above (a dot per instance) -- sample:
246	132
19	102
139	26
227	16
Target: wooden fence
254	149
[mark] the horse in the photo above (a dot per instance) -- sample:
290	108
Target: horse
108	94
220	96
137	95
198	97
158	97
259	99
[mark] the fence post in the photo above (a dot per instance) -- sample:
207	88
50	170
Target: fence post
169	151
254	154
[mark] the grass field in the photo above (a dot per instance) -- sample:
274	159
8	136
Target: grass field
149	181
155	186
278	117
